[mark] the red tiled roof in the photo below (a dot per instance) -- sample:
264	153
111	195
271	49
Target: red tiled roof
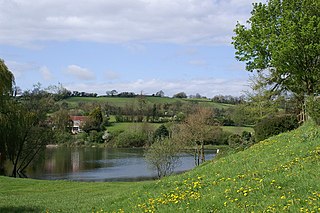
78	118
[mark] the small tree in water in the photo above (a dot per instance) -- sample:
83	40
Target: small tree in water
163	156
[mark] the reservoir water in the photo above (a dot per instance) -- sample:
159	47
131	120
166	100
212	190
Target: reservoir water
100	164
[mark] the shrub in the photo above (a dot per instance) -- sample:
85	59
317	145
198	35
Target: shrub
130	139
275	125
161	132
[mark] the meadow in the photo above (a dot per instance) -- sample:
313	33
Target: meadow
280	174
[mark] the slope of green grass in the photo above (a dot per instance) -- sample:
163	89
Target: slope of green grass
280	174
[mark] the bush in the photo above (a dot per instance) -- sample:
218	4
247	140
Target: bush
275	125
131	139
161	132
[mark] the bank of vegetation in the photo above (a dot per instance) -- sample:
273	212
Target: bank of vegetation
276	175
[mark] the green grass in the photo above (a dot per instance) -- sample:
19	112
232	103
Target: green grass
237	129
280	174
123	126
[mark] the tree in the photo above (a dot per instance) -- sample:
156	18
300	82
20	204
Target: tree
195	130
112	92
282	37
62	121
163	156
24	131
6	89
160	93
94	120
6	79
180	95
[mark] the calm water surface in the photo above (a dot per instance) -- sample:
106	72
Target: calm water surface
100	164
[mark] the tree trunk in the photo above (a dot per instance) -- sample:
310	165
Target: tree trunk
202	152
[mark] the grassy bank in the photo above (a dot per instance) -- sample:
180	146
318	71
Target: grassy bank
279	174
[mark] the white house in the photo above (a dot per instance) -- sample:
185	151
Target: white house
77	123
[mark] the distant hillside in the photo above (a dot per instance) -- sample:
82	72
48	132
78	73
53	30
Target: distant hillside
280	174
122	101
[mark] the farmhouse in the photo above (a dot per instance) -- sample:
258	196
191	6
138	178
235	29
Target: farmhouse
77	123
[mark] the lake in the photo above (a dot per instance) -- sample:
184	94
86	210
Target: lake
100	164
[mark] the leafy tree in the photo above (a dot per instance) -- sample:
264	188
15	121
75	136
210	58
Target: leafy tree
94	120
282	37
6	87
24	132
163	156
6	80
62	121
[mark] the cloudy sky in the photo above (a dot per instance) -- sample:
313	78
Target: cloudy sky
127	45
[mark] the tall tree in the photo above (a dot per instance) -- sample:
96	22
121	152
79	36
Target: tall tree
6	89
24	131
283	37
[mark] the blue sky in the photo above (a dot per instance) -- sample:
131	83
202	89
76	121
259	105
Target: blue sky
127	45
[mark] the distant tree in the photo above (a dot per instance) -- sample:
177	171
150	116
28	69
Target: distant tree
62	121
161	132
180	95
160	93
111	93
94	120
194	131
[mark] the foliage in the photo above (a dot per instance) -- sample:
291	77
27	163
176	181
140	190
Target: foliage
283	38
62	121
163	156
180	95
24	133
6	79
94	121
275	125
161	132
130	139
194	131
313	107
95	137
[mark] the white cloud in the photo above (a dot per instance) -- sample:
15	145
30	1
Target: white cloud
80	73
46	73
173	21
206	87
20	68
112	75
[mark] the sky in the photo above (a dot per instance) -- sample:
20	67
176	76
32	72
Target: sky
140	46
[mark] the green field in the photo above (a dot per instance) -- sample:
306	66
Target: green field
237	129
122	101
280	174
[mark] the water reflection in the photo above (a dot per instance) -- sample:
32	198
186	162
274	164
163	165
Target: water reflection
99	164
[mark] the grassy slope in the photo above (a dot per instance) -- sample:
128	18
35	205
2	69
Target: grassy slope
276	175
